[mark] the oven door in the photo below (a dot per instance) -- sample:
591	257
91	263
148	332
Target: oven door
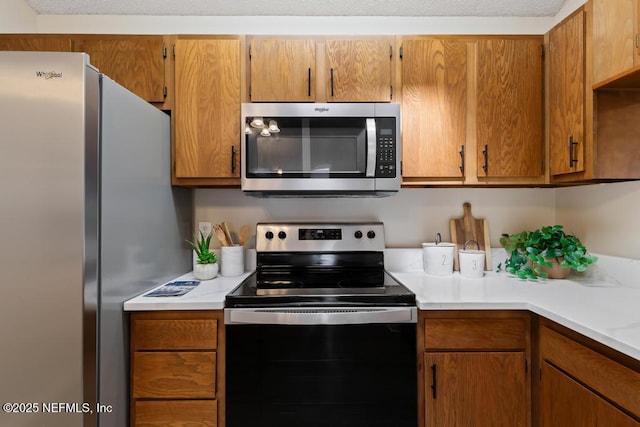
321	367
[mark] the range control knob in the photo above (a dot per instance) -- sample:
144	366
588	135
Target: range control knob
268	235
282	235
358	234
371	234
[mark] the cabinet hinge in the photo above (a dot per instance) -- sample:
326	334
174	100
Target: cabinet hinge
164	91
249	51
249	91
400	167
401	51
390	51
637	41
391	92
174	50
164	51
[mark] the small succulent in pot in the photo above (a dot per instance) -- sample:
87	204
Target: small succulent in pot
533	253
201	247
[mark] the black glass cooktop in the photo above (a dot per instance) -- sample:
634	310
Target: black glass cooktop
313	288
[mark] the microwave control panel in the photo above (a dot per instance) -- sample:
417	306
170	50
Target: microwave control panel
386	142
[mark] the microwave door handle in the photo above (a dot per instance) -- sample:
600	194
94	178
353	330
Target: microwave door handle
371	148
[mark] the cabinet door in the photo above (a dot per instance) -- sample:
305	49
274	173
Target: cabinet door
283	70
137	63
509	107
614	50
39	43
567	403
207	108
358	70
475	389
566	96
434	105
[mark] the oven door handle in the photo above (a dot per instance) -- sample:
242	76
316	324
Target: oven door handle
372	153
320	316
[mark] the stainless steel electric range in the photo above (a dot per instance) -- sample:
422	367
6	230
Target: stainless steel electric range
321	334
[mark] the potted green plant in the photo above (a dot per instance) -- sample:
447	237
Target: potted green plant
206	267
547	252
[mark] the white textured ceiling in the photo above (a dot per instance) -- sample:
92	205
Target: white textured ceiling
523	8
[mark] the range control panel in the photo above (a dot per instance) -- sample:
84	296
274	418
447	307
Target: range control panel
320	237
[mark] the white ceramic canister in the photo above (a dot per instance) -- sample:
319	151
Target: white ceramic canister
437	258
232	260
471	263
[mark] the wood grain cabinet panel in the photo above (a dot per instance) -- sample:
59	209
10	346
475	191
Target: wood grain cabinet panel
475	369
175	334
207	108
476	389
509	107
358	70
187	413
434	106
174	375
283	70
35	42
615	48
177	369
135	62
567	96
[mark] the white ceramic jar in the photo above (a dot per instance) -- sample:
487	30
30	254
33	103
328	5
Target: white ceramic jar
437	258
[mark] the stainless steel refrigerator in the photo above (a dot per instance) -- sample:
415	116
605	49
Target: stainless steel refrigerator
88	219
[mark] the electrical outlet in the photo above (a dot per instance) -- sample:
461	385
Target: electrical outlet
205	228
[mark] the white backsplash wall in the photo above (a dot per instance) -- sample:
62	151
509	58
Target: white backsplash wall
411	217
606	217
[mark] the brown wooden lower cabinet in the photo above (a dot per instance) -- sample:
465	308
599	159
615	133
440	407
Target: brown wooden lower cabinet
475	369
583	383
177	368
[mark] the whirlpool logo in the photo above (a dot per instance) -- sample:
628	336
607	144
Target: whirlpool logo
321	109
49	74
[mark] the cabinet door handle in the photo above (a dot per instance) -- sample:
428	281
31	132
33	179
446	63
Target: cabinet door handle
572	144
485	152
309	82
462	159
433	381
233	159
331	72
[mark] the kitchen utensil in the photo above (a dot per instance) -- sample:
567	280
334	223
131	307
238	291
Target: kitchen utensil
227	234
470	228
220	235
244	234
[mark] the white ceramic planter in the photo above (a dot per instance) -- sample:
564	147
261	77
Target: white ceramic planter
205	271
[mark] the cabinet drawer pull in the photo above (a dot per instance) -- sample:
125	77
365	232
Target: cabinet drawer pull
433	381
309	82
332	92
485	152
233	159
572	144
462	159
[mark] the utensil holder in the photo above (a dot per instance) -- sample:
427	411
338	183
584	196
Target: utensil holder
232	260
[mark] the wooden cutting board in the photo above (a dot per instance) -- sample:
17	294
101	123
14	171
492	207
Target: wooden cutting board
470	228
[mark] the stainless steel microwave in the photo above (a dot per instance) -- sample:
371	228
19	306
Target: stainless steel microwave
310	149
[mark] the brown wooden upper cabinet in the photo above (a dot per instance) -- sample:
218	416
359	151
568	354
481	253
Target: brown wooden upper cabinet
567	95
207	111
135	62
283	70
35	42
434	107
320	70
509	107
358	70
615	41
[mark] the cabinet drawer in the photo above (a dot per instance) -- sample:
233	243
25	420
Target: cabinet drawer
475	334
174	334
163	413
598	372
174	375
